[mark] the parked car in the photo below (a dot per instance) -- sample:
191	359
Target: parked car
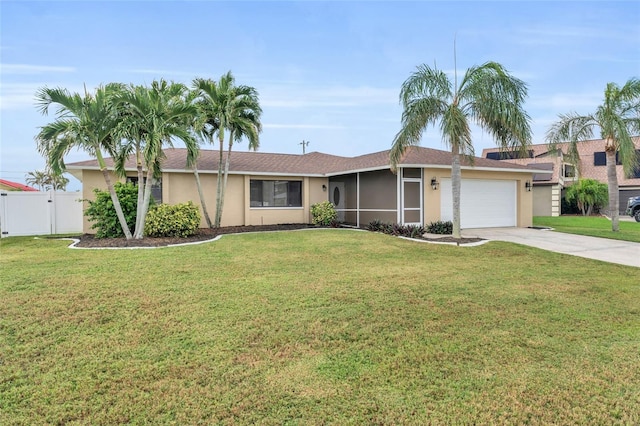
633	208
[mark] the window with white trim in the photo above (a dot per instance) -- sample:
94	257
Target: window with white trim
276	193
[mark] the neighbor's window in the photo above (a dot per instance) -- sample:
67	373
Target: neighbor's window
156	187
276	193
569	171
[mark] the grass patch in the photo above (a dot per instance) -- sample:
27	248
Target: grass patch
592	226
315	327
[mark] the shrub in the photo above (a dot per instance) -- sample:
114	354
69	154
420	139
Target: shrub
179	220
323	213
375	226
589	195
411	231
440	227
103	215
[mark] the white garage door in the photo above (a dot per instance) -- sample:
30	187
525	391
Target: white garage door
483	203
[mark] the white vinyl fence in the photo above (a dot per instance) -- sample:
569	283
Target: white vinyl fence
40	213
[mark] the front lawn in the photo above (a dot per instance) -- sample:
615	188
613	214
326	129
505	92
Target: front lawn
316	327
594	226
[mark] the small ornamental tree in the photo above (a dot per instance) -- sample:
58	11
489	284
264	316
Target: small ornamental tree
588	194
103	214
323	213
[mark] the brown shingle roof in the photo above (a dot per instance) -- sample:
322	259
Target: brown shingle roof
587	169
314	163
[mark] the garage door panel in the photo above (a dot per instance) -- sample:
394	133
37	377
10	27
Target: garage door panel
483	203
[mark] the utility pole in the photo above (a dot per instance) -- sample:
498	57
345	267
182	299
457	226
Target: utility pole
304	146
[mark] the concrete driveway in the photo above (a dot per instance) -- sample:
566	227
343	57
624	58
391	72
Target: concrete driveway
614	251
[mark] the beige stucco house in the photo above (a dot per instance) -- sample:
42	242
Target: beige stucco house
548	188
266	188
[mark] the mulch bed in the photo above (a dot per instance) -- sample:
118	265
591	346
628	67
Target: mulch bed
204	234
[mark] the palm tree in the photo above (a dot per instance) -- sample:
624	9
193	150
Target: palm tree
38	178
82	122
618	118
204	129
150	118
487	95
231	108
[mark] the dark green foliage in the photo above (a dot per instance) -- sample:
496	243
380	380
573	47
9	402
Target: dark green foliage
323	214
375	226
414	231
410	231
440	227
588	194
103	215
179	220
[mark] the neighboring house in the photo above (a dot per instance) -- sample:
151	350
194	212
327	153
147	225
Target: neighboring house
7	185
266	188
548	188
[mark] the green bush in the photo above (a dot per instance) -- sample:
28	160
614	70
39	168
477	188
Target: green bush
103	215
440	227
588	194
179	220
323	214
410	231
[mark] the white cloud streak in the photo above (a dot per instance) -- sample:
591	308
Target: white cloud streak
33	69
338	96
302	126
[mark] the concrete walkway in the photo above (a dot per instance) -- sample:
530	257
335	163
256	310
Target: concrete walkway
613	251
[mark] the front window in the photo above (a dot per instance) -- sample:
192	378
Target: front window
276	193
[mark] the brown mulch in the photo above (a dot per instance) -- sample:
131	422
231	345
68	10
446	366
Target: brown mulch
204	234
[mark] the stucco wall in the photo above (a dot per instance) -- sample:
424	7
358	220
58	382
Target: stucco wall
542	200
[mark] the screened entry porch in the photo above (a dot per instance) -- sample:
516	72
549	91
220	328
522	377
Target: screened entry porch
363	197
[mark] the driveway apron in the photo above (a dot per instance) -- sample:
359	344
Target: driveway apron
607	250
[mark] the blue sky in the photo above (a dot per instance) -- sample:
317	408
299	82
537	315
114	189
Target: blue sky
327	72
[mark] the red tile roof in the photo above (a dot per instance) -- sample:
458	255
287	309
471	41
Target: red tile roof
15	186
311	164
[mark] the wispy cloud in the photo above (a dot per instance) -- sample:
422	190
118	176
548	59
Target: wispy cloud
337	96
567	102
163	72
33	69
301	126
22	95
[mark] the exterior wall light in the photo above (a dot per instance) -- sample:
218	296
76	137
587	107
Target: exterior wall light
434	183
527	186
324	188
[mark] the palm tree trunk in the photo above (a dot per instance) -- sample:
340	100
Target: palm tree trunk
116	203
456	178
612	179
145	206
226	170
140	193
202	203
218	216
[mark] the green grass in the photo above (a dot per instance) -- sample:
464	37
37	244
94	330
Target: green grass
591	226
316	327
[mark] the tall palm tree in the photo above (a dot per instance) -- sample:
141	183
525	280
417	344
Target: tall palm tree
233	109
38	178
618	118
82	122
151	117
487	96
204	128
